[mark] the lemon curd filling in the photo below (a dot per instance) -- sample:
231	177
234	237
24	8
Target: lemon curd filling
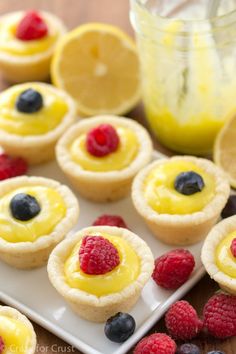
118	160
53	209
161	195
116	280
15	334
46	119
10	44
225	260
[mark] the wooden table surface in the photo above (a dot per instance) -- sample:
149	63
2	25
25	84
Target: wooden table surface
74	13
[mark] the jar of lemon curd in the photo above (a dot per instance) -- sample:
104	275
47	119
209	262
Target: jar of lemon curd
188	65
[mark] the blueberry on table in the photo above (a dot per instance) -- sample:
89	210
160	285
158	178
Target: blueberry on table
120	327
24	207
216	352
29	101
230	208
188	348
189	183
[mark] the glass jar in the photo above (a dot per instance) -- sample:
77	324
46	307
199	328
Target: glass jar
188	69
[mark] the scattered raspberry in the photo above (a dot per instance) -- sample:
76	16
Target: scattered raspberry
182	321
157	343
97	255
233	247
110	220
11	166
173	268
31	27
219	315
2	345
102	140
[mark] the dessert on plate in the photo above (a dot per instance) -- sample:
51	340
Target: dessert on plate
180	198
33	117
36	213
16	332
27	43
101	155
100	270
219	254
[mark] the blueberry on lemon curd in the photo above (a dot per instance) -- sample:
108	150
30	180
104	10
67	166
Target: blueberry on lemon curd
36	213
33	117
101	156
180	198
219	254
16	332
100	271
27	43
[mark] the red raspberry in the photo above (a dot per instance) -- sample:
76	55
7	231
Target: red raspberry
11	166
102	140
157	343
173	268
2	345
31	27
110	220
219	315
233	247
97	255
182	321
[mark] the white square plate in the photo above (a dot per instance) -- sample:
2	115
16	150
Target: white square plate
31	292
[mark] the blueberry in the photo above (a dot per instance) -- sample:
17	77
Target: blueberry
29	101
188	183
216	352
230	208
24	207
120	327
188	348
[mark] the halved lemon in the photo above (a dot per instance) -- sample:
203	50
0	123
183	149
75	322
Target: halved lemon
97	64
225	150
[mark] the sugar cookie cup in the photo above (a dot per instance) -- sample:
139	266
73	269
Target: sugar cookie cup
185	228
16	332
217	257
104	179
27	240
33	136
88	305
22	61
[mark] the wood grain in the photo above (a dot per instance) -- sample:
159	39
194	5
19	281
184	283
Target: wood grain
74	13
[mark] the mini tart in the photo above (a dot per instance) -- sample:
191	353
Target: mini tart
35	148
89	306
182	229
209	250
102	186
35	250
27	66
19	329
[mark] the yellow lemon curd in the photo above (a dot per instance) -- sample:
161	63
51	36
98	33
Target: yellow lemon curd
10	44
114	281
43	121
15	334
225	260
121	158
162	197
53	210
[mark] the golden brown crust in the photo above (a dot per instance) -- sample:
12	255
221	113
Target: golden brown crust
182	229
215	236
92	307
17	69
103	186
13	313
39	148
34	254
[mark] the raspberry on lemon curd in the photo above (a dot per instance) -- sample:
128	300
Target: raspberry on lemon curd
27	43
101	270
101	156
